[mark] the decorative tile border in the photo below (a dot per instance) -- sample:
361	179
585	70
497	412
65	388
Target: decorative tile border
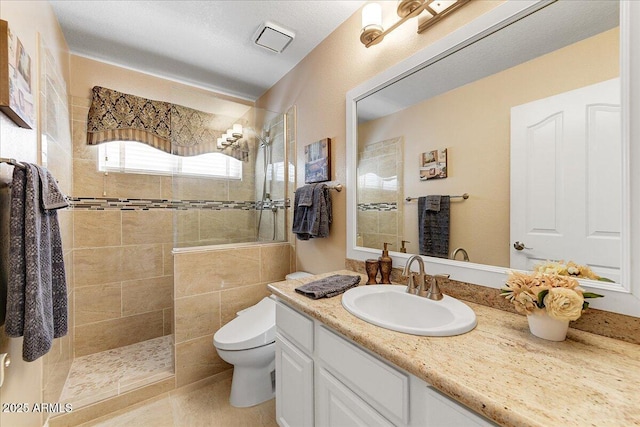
380	207
109	203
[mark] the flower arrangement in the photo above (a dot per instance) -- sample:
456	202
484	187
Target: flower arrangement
559	295
569	269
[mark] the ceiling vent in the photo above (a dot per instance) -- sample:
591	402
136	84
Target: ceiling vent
272	37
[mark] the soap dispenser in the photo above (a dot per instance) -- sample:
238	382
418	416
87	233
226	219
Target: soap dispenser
403	249
386	263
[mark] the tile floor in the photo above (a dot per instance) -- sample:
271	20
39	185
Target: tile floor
206	406
106	374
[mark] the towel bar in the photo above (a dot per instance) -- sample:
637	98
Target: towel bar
465	196
11	162
337	187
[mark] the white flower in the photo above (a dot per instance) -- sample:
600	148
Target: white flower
564	303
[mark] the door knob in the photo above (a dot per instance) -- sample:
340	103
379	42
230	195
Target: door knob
518	246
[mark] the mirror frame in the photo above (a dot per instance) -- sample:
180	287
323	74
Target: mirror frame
623	298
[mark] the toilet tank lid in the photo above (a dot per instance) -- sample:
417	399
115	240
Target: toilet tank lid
255	327
297	275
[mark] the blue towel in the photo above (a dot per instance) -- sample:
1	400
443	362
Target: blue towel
433	227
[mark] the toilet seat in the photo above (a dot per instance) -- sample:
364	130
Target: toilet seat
253	327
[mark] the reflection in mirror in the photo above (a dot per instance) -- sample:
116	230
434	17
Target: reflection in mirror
380	196
469	103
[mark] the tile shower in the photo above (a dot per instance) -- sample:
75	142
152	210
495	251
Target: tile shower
126	290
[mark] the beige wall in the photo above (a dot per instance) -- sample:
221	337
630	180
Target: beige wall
473	123
42	380
317	86
210	287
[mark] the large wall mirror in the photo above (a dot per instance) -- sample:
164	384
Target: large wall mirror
532	102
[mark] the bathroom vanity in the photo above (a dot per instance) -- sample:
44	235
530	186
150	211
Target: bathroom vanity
335	369
325	379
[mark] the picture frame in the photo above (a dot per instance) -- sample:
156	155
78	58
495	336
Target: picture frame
317	161
433	164
16	79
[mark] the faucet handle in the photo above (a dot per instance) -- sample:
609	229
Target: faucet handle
434	291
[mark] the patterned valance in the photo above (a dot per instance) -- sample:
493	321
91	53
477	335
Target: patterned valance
117	116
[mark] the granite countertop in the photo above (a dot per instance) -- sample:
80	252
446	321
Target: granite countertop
500	369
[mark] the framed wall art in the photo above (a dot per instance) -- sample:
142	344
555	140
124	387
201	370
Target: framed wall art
16	83
433	164
317	161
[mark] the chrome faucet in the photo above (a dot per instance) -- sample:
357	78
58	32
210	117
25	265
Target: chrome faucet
412	286
465	255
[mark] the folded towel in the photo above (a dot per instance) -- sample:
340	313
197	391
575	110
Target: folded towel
329	286
433	203
305	195
51	196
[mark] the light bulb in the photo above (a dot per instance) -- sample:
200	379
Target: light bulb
372	15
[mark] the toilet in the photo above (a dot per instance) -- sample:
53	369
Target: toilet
248	343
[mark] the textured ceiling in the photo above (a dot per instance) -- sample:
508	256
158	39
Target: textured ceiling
205	43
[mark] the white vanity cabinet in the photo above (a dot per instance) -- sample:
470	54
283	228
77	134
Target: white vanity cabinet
294	368
325	380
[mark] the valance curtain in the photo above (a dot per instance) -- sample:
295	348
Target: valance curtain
175	129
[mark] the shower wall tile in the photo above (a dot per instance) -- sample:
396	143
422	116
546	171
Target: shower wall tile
145	295
113	264
92	183
236	299
97	303
142	261
208	271
187	225
81	150
167	257
147	226
135	186
234	279
197	316
97	228
275	262
97	265
186	188
167	314
65	219
197	359
101	336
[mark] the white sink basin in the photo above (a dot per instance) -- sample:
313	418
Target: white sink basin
390	307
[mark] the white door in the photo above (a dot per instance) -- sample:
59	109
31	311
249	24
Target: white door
566	179
294	385
338	406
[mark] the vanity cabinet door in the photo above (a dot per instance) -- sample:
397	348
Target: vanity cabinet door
294	385
337	405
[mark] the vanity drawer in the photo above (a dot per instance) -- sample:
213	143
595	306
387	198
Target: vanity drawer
386	388
295	326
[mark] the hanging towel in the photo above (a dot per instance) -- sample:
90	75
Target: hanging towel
329	286
312	220
433	203
37	289
433	227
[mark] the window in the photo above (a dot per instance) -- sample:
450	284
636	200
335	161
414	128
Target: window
134	157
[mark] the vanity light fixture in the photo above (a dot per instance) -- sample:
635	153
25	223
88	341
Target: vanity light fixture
231	137
430	11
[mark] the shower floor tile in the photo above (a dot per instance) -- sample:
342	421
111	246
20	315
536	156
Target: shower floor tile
103	375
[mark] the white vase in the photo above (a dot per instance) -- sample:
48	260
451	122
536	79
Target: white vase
544	326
